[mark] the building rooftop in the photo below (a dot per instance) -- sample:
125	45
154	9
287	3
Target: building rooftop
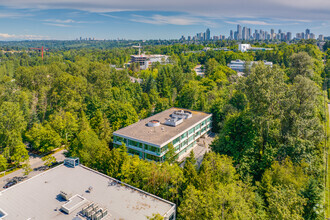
40	196
162	134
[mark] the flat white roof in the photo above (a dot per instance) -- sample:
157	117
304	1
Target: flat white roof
39	197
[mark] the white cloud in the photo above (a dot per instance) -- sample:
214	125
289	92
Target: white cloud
60	21
58	25
174	20
256	22
285	9
7	36
14	15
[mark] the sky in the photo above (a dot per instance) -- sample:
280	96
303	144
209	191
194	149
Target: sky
155	19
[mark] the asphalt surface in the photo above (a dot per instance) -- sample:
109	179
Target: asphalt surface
37	166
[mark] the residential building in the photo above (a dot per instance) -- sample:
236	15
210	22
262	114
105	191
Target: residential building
231	35
149	138
239	32
321	37
208	34
73	191
244	33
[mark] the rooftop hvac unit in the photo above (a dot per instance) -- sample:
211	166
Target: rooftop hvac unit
105	213
65	195
88	211
91	214
98	216
174	121
182	114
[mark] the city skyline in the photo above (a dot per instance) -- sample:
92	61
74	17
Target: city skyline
100	19
246	33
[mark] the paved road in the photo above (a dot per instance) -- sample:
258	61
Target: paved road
36	164
199	71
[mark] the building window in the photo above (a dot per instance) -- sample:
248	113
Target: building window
132	151
184	144
191	131
197	134
152	157
191	138
134	144
117	139
197	127
163	149
184	135
177	140
151	148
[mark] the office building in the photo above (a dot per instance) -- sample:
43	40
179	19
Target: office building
72	191
150	137
240	65
146	61
247	47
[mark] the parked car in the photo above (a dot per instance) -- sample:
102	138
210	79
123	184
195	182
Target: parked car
9	184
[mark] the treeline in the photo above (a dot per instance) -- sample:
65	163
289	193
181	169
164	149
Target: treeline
267	159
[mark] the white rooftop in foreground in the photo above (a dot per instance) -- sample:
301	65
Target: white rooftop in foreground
39	197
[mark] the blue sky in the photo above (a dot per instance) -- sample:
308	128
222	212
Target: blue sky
153	19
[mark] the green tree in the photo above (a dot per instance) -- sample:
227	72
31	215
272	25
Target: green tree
170	155
12	125
301	64
27	169
88	147
49	160
3	163
65	124
19	154
121	115
281	185
155	217
43	138
101	126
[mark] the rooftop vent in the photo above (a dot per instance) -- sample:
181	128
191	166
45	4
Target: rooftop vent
182	114
153	123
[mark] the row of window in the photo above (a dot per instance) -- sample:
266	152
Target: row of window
148	156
